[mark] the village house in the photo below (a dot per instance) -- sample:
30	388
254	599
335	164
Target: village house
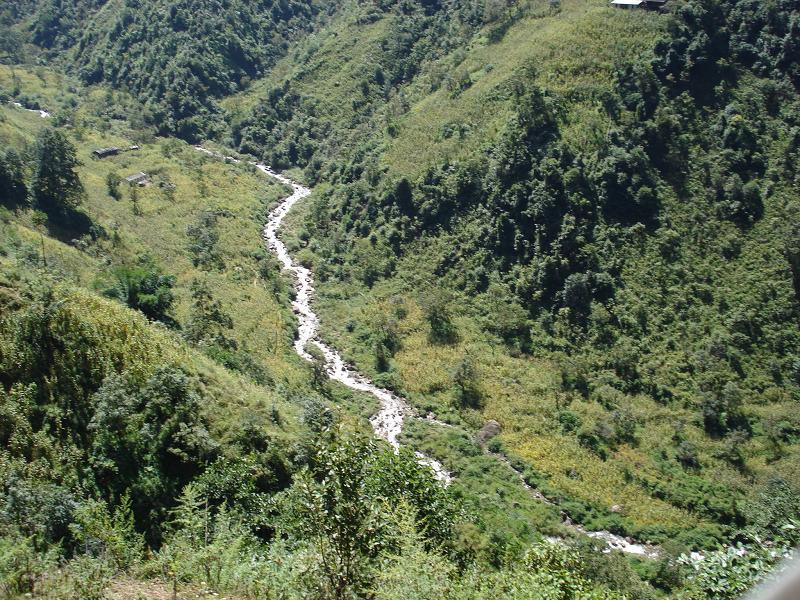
647	4
105	152
139	179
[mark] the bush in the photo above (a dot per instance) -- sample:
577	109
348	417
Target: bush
203	238
437	313
113	181
145	288
13	190
466	381
569	421
56	188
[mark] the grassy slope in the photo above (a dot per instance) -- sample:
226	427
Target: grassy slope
139	347
262	322
574	53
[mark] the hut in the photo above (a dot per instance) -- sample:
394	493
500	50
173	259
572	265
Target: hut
105	152
139	179
647	4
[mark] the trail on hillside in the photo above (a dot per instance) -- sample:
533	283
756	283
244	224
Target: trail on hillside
388	421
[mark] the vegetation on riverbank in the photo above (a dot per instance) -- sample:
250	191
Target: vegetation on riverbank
578	223
122	433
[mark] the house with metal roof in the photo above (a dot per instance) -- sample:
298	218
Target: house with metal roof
105	152
141	179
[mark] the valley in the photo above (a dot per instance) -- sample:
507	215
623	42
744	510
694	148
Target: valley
512	312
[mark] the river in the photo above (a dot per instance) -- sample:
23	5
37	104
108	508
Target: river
394	409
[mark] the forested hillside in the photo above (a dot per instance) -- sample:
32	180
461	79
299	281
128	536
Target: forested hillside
177	58
567	235
609	198
158	430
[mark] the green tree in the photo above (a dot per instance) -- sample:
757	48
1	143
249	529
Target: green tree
56	186
342	504
137	209
203	238
13	190
317	416
792	252
145	288
148	440
466	382
722	409
208	321
437	313
319	370
12	43
111	536
113	181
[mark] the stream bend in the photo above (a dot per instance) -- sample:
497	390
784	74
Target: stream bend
388	421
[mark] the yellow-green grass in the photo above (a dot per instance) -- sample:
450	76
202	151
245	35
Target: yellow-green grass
326	66
50	254
262	322
574	53
123	340
522	394
48	84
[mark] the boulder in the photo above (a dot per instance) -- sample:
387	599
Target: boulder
488	431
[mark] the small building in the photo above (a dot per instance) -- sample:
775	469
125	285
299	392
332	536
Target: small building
630	4
139	179
105	152
134	147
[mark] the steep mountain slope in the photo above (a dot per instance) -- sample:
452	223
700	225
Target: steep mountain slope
611	218
123	434
177	58
577	222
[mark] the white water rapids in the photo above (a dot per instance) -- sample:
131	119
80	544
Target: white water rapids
42	113
388	421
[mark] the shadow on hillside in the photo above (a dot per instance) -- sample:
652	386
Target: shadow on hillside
69	225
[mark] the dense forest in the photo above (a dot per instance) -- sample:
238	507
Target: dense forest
566	234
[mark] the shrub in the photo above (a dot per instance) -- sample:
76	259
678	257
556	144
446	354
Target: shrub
145	288
113	181
466	381
440	320
203	238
